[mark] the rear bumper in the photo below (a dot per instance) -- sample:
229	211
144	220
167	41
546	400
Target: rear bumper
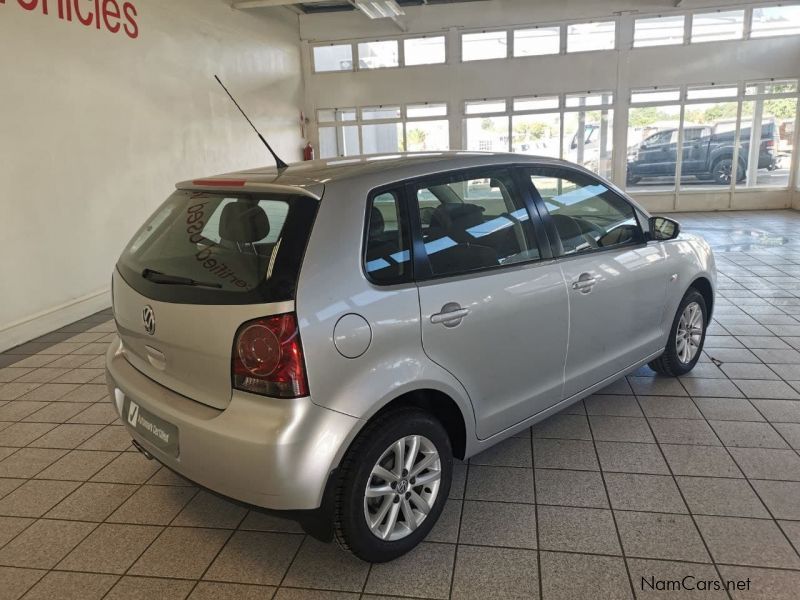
277	454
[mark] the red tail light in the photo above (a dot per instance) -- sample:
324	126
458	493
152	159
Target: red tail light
268	358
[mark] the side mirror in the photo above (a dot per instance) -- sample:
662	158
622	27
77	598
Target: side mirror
662	229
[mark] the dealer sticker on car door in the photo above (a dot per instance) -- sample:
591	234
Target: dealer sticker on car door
157	431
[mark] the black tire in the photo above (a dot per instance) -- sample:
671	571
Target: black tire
669	363
350	525
722	171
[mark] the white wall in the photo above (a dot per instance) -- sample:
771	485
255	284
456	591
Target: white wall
96	128
616	70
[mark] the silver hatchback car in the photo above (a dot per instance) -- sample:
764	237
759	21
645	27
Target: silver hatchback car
324	339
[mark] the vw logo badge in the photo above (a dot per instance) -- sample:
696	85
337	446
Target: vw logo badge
149	320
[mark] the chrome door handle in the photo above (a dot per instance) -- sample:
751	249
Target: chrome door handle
585	283
451	315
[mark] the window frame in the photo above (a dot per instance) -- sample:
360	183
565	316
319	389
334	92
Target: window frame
399	192
547	219
423	271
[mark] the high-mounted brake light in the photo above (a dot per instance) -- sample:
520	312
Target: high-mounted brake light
220	182
268	358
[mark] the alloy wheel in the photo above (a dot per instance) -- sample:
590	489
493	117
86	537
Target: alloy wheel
689	334
402	487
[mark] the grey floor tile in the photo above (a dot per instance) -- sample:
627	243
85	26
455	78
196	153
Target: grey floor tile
562	426
77	465
790	432
212	590
110	548
513	452
447	525
153	505
766	463
662	536
498	524
27	462
571	576
728	409
129	467
18	435
180	552
748	371
27	549
92	502
721	497
564	454
326	566
262	521
746	434
669	407
700	460
612	405
781	497
505	484
570	488
712	388
138	588
684	431
779	390
766	584
634	491
35	497
629	457
779	411
55	412
17	581
620	429
754	542
254	557
483	572
589	530
209	510
71	586
424	572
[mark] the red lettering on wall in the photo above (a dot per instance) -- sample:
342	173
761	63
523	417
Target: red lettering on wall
131	28
102	14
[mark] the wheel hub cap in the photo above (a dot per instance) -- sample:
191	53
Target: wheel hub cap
690	333
402	487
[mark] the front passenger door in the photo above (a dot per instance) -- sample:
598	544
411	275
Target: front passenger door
616	281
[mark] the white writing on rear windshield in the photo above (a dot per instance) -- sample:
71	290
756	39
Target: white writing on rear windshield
195	222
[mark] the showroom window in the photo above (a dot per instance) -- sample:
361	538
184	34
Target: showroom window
486	133
775	20
766	135
538	41
584	37
421	127
659	31
654	121
425	51
536	126
716	26
588	131
484	46
378	55
337	57
475	222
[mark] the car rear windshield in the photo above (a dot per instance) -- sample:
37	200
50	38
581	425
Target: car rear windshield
220	248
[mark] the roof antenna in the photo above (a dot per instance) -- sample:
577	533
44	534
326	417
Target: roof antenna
280	164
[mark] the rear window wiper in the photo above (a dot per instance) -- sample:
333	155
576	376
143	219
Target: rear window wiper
159	277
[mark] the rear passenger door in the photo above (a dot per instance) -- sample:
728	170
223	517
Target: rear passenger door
493	303
617	282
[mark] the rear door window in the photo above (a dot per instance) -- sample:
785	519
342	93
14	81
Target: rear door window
475	221
220	248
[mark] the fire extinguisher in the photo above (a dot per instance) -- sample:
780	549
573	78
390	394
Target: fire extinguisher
308	152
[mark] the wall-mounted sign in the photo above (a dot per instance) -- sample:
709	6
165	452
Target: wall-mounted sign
114	16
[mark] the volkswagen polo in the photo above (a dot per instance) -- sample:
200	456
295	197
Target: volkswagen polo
325	339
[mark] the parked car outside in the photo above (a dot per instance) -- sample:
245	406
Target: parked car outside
326	339
707	154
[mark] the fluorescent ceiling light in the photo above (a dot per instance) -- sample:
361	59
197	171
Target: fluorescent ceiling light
379	9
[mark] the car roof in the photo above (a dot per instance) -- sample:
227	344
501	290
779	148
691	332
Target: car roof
310	177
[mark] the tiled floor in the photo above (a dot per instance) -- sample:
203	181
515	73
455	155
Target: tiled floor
653	477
